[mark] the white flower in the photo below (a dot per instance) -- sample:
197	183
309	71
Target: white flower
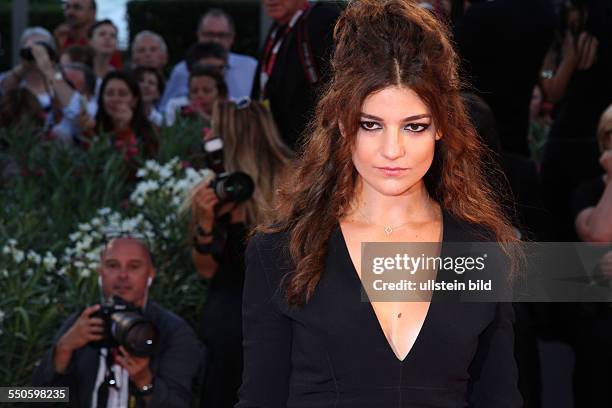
49	261
2	314
79	264
165	173
84	227
6	250
34	257
104	211
29	272
96	222
85	273
62	271
141	173
74	236
12	242
18	255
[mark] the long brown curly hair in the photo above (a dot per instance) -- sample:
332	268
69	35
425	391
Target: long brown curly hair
381	43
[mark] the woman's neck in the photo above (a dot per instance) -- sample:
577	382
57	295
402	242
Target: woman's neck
101	65
414	206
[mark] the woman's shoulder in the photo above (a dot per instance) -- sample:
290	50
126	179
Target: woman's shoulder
271	250
458	229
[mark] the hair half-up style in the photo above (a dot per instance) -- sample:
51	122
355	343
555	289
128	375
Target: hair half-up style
382	43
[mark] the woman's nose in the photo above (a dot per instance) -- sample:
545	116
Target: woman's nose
393	144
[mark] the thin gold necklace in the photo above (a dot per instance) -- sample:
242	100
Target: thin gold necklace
387	228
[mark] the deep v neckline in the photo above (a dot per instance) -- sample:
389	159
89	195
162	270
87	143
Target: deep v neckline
372	313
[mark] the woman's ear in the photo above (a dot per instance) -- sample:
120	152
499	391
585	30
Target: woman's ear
438	135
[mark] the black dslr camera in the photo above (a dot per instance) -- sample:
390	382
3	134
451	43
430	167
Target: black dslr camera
26	53
229	187
125	325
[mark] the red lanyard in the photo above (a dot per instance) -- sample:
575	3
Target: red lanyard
273	46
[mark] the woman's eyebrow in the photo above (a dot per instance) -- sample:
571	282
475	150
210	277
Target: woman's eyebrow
408	119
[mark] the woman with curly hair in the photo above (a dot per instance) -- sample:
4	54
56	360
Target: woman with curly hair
391	157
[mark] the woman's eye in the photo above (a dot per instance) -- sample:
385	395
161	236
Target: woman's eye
417	127
365	125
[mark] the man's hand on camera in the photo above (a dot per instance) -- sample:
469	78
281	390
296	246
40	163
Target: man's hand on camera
86	329
137	367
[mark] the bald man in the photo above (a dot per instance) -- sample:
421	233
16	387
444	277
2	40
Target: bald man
163	379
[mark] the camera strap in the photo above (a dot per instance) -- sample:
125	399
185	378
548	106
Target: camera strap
111	388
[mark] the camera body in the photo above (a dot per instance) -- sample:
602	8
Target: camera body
229	187
125	325
26	53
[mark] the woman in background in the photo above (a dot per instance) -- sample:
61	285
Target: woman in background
121	114
250	144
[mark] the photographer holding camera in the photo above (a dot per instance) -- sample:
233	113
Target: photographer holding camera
249	158
127	351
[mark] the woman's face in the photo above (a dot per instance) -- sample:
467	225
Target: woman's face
203	92
149	87
117	94
395	143
104	39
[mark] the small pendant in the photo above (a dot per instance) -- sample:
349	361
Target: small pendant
388	230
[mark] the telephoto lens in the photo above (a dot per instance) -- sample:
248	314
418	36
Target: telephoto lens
136	334
125	325
235	187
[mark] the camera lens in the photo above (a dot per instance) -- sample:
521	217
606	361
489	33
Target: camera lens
236	187
135	333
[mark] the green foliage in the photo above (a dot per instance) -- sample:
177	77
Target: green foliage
59	206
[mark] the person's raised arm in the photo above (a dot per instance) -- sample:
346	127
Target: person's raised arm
266	334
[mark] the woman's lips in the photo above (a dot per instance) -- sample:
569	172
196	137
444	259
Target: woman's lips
393	171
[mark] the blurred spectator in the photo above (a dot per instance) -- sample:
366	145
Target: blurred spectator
218	27
77	53
205	87
103	42
539	123
593	199
295	63
80	15
79	106
100	375
27	73
149	49
571	154
592	208
120	113
151	85
19	105
249	142
503	44
574	49
207	54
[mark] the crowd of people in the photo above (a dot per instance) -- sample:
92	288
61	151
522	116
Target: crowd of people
537	91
